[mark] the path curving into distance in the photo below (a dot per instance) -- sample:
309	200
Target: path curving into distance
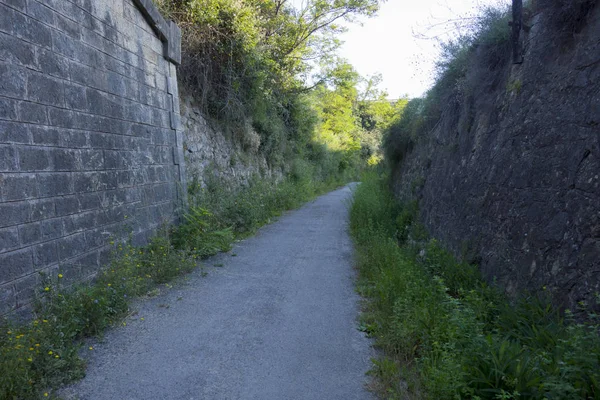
276	321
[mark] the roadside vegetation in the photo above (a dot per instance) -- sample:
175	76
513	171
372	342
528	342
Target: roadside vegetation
247	64
445	333
267	74
46	352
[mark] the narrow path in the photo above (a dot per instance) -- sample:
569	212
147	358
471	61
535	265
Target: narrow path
275	321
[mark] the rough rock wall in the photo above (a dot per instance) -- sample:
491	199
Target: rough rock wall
89	139
510	178
210	153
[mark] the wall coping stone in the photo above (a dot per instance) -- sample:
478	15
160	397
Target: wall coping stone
168	32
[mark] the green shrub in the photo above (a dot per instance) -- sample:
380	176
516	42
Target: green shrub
401	137
44	353
459	337
200	233
161	262
405	219
458	277
239	211
301	171
243	60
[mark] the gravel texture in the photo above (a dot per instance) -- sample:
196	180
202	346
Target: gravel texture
275	318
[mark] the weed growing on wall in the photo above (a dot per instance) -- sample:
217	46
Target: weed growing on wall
448	335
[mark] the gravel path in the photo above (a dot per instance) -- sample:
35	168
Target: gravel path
275	318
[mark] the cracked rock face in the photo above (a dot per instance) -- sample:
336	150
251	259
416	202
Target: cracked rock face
515	179
210	152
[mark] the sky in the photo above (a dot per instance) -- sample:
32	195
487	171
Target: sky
391	43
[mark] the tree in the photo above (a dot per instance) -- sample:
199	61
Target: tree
244	60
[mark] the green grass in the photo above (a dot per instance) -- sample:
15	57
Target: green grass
244	209
448	335
43	354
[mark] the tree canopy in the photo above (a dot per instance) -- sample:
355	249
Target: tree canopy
247	62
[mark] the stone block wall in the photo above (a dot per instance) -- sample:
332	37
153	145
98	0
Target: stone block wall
90	145
212	154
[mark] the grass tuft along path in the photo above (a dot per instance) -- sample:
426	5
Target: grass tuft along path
275	318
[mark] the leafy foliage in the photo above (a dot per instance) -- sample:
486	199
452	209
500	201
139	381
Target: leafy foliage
459	337
200	233
247	63
45	353
245	60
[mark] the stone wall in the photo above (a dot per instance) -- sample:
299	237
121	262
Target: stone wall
510	176
90	145
211	153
